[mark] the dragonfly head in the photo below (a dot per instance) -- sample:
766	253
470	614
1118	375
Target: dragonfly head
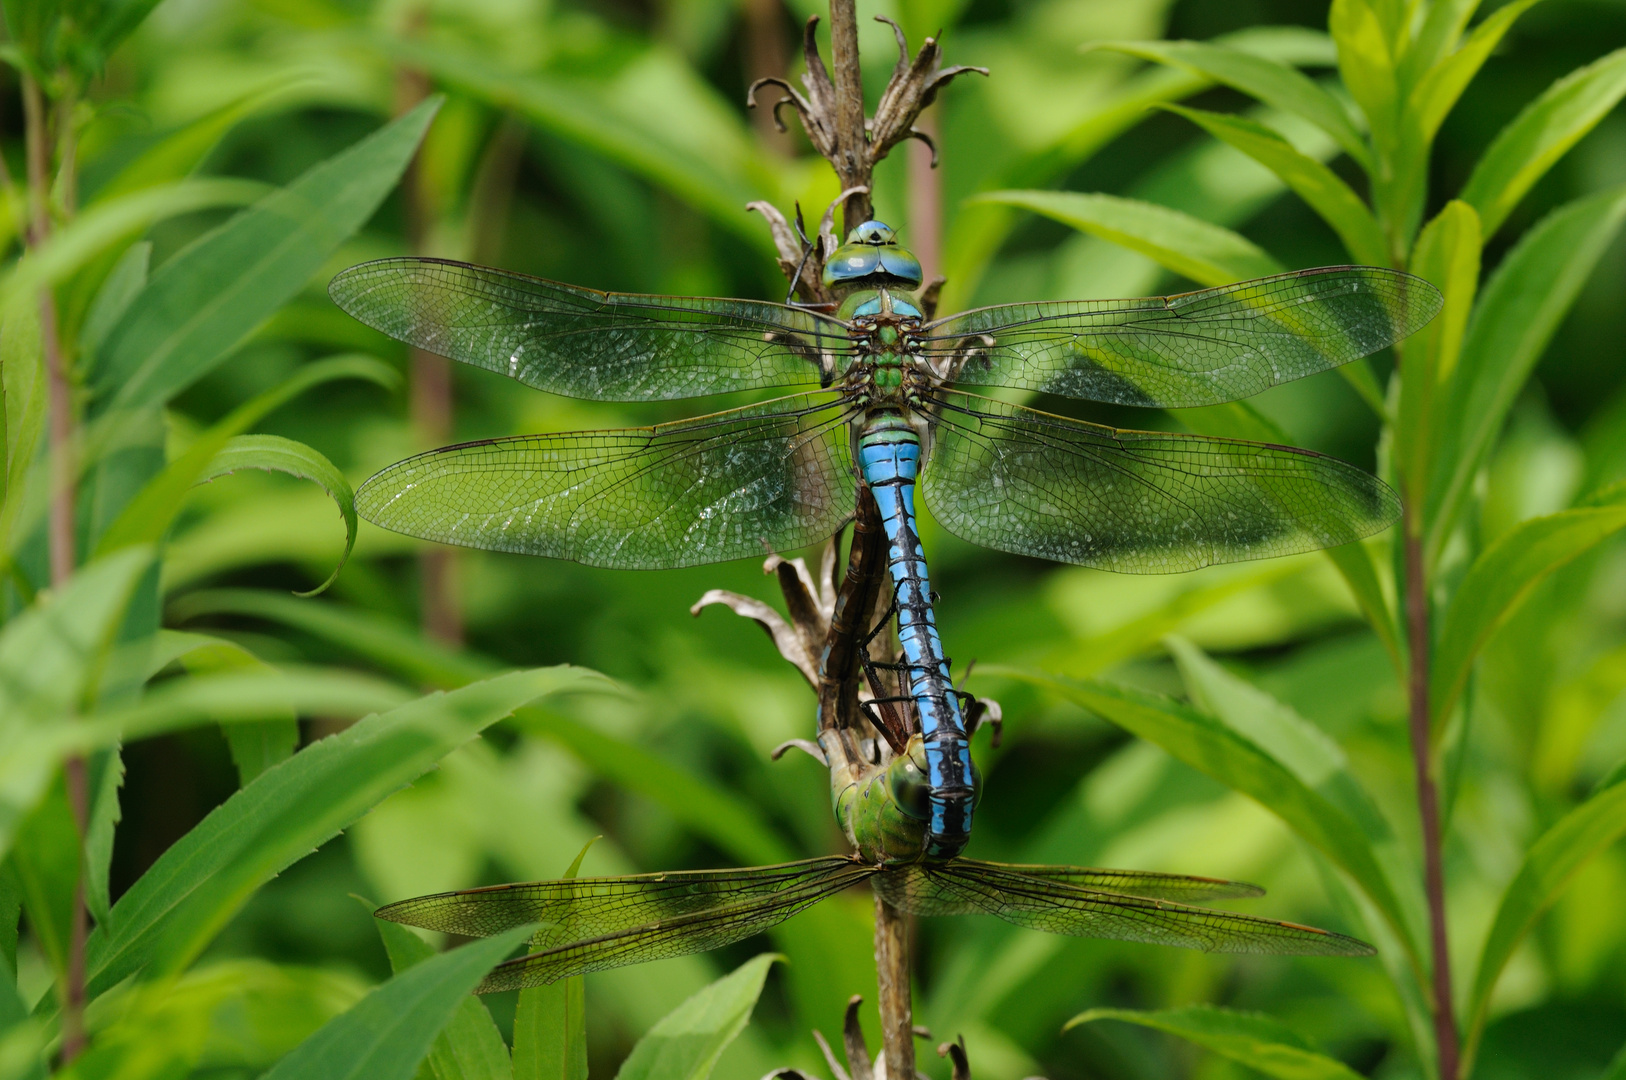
871	258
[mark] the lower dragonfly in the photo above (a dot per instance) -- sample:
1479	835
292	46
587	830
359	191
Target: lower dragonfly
592	924
890	408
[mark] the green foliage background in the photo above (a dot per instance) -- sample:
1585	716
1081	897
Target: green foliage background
608	145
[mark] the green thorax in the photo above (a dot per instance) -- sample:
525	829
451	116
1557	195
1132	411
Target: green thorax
870	801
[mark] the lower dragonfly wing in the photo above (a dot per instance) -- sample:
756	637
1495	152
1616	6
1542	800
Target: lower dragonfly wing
731	485
1136	502
590	924
1148	883
963	886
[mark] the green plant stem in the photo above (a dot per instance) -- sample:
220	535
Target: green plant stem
1428	800
61	526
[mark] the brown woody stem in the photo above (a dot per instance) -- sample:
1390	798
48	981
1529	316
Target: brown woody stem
852	163
892	982
1428	798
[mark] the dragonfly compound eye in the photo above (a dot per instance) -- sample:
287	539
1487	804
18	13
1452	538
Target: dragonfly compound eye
872	232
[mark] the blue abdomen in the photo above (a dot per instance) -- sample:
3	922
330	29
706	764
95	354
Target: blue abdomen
889	458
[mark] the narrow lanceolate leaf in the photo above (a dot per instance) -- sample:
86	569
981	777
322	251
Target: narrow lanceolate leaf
469	1047
1207	254
1447	255
106	223
1367	65
550	1022
1500	579
175	909
1542	134
202	302
276	454
687	1042
48	655
1269	80
386	1034
1548	867
1253	1039
1210	747
1519	310
1312	181
147	517
1360	573
1440	87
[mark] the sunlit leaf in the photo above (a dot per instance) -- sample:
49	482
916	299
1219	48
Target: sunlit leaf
1442	84
178	905
1260	1042
1312	181
386	1034
1541	134
1547	869
207	298
1519	309
550	1022
1269	80
1500	580
1207	254
687	1042
1208	746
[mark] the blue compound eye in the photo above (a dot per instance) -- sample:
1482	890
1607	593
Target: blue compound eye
872	232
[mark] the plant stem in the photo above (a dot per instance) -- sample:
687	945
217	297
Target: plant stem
852	157
892	982
1428	800
925	201
440	609
61	526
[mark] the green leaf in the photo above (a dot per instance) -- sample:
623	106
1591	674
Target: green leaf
1366	62
396	647
258	744
22	378
1548	868
106	777
147	517
1258	1041
687	1042
1499	581
1617	1067
170	914
276	454
45	856
652	116
711	812
1262	77
1211	748
106	224
1541	134
205	300
469	1047
1437	92
550	1023
21	1039
1360	573
1191	247
1447	255
1518	311
387	1033
122	285
1312	181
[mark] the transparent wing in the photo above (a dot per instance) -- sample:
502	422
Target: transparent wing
726	486
1198	348
590	924
963	886
1136	502
1147	883
584	343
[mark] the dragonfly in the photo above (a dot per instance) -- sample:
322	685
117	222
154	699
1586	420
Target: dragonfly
881	395
593	924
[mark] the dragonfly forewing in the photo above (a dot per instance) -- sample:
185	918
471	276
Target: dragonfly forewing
1198	348
1054	906
591	924
589	344
1137	502
774	476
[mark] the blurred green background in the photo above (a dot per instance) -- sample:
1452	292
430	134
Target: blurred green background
608	145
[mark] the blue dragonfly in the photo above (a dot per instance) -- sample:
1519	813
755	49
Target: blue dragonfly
883	396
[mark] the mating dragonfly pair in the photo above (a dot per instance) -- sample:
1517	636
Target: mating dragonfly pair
881	398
